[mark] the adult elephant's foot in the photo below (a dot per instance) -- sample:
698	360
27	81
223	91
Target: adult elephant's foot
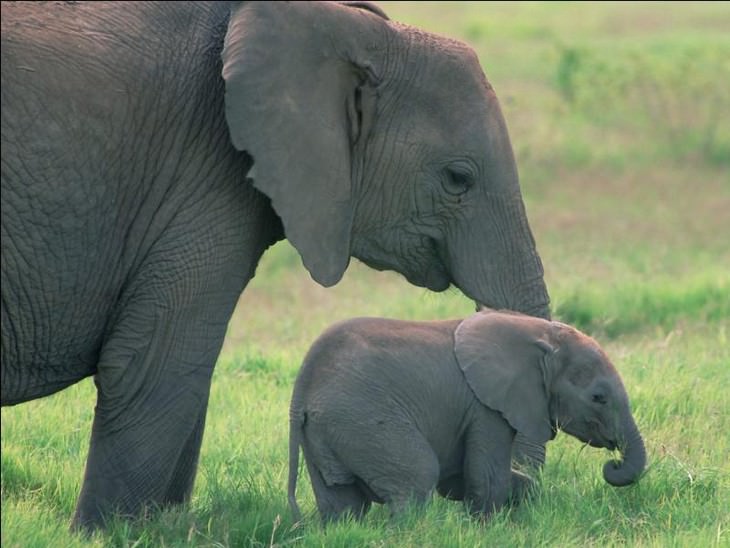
150	415
143	466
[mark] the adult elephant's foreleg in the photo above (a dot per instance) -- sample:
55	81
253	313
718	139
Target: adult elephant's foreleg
153	382
181	482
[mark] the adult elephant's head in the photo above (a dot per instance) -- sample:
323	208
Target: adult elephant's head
382	142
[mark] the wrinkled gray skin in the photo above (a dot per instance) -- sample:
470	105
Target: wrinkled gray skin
152	152
389	410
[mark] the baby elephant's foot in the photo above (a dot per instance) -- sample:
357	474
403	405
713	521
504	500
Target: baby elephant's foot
522	487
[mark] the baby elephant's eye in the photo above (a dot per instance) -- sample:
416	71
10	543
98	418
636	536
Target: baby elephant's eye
599	398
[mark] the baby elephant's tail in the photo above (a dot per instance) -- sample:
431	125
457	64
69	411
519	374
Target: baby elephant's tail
296	423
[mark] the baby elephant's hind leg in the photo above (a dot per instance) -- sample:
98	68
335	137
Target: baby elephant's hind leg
404	470
333	501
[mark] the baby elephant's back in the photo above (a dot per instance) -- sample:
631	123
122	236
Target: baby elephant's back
375	360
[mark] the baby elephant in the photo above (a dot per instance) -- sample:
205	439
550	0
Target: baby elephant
388	410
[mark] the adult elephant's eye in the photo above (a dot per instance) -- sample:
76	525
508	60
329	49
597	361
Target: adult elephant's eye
599	398
456	182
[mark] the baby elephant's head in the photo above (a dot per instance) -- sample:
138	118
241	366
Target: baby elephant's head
541	375
587	400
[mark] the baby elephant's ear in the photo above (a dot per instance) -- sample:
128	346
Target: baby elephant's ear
501	356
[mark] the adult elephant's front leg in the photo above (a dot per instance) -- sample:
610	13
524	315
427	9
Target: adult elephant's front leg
153	382
181	484
154	372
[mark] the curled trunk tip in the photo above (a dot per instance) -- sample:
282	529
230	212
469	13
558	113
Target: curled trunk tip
613	474
627	470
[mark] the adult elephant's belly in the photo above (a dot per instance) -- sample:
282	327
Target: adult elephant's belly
50	339
64	267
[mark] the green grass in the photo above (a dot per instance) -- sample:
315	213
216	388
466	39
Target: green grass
616	113
630	307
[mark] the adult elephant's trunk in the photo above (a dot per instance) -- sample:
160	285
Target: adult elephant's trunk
490	251
627	470
494	260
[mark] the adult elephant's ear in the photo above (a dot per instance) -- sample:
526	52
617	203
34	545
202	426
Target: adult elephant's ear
503	357
299	96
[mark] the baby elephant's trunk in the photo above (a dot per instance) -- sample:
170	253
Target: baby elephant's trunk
627	470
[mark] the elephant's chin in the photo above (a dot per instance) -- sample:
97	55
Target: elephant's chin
434	278
437	283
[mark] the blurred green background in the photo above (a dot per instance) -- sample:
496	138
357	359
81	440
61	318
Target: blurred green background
619	115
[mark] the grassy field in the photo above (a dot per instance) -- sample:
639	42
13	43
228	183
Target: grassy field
619	118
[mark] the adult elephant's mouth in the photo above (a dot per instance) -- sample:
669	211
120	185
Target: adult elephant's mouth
433	278
436	279
426	268
431	273
436	276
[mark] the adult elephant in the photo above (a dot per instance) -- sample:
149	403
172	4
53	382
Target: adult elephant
132	218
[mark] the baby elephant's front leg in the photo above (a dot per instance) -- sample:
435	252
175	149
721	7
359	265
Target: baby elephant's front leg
487	459
521	487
